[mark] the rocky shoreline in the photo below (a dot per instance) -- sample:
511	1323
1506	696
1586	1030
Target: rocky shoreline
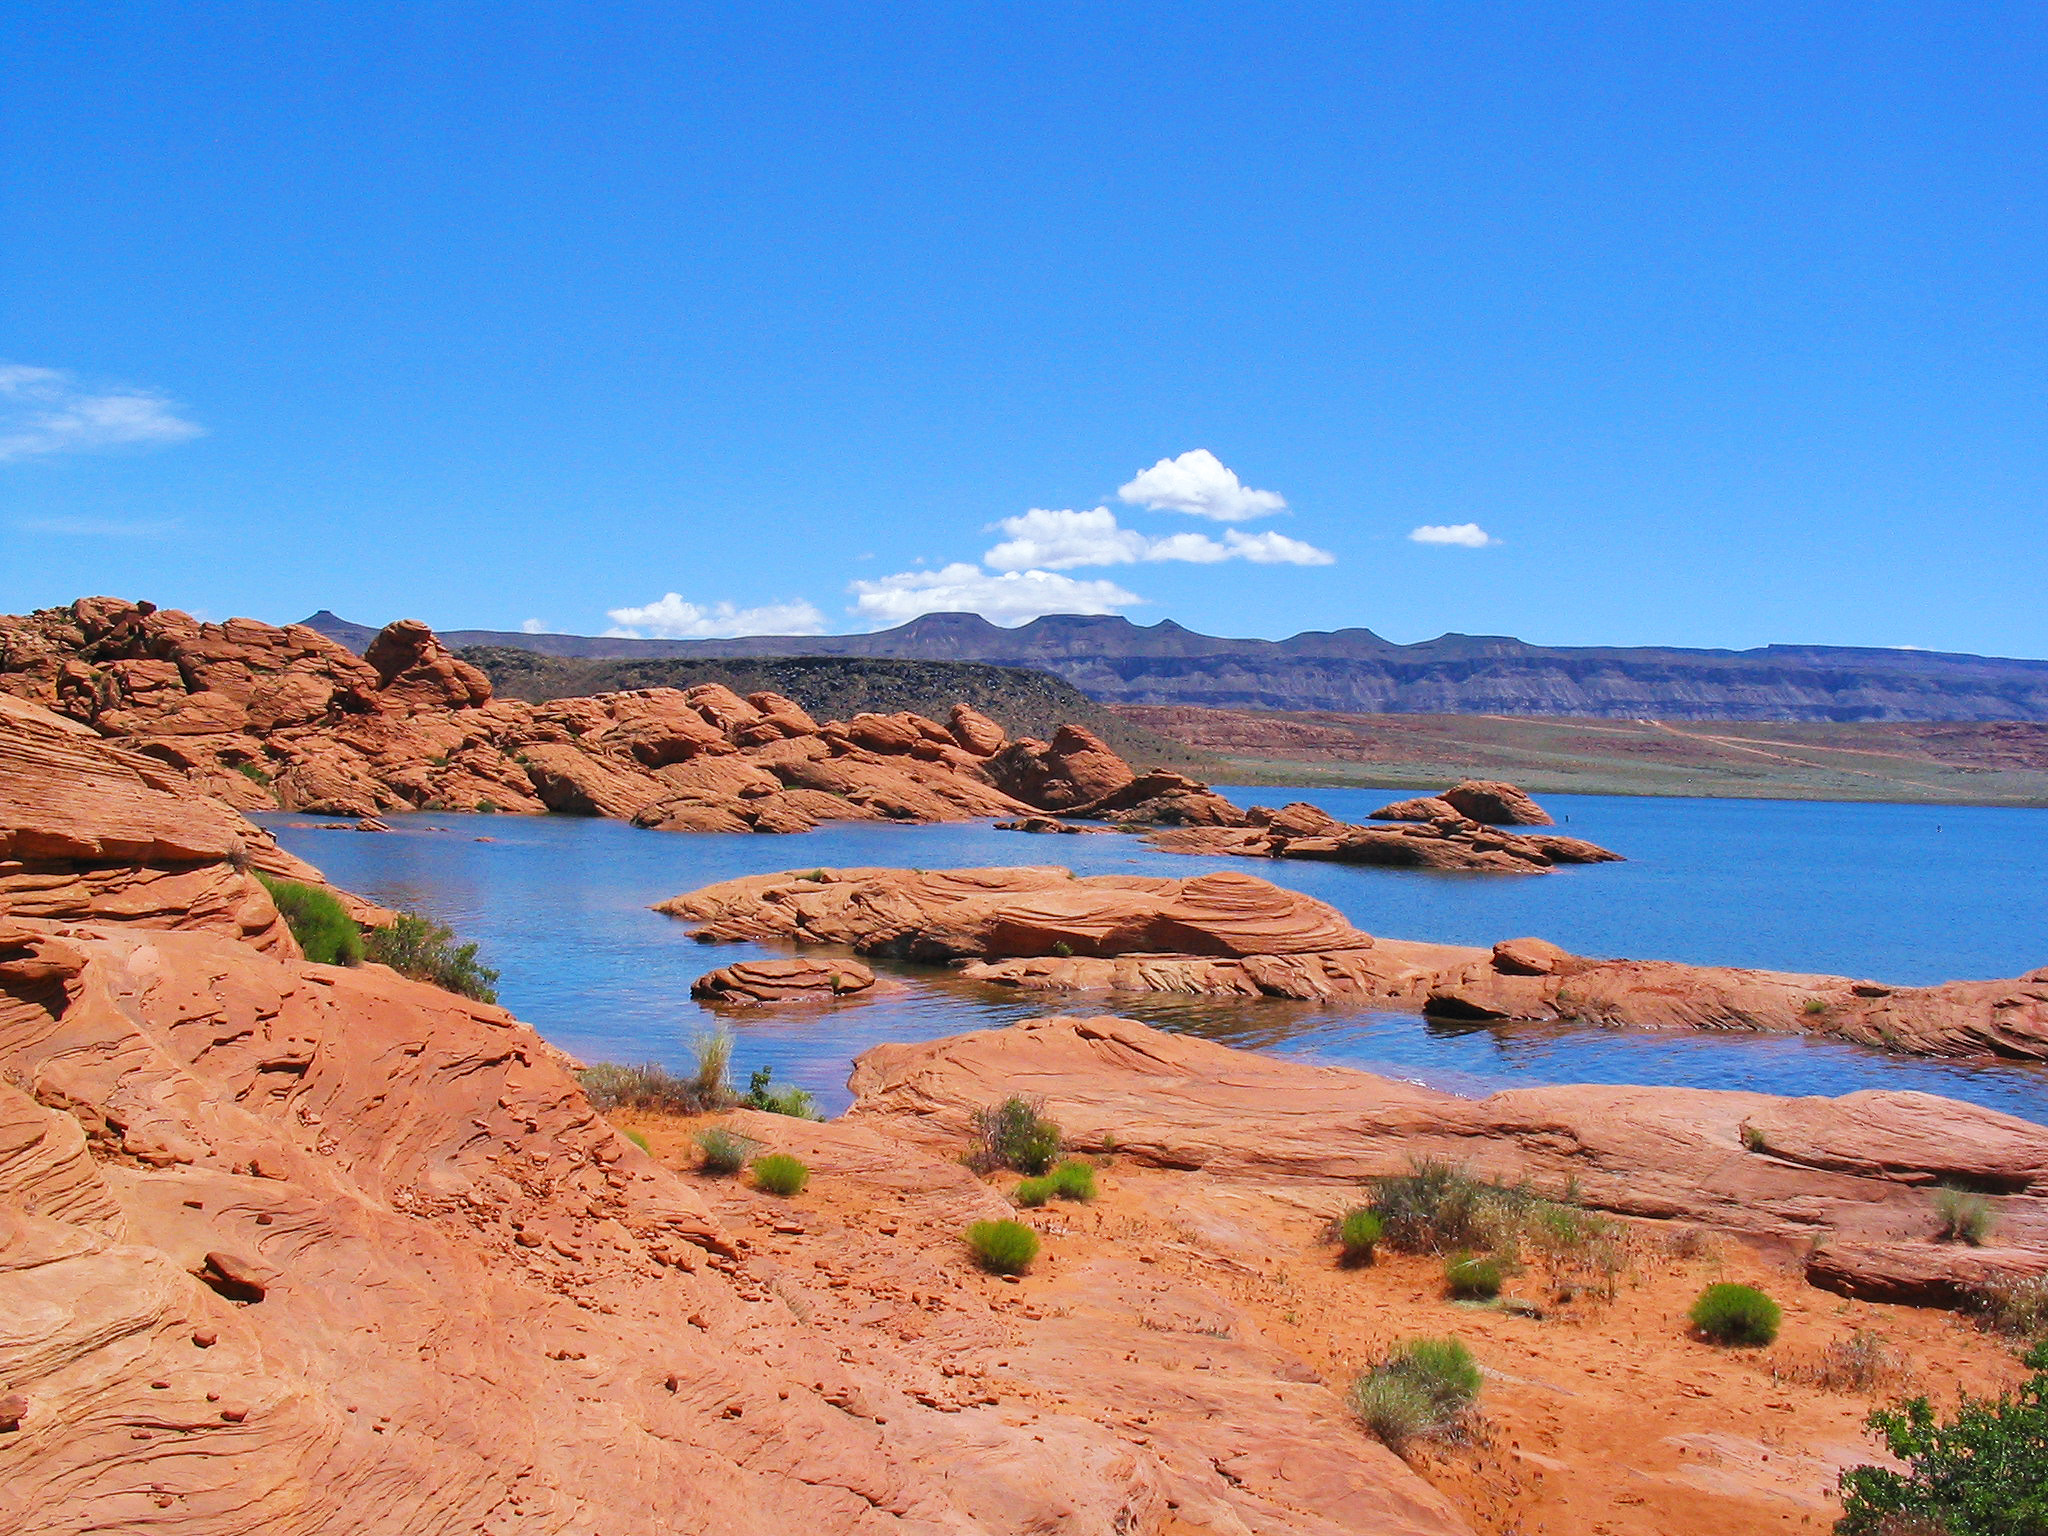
1045	930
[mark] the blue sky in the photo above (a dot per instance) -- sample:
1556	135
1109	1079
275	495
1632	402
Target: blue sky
1720	324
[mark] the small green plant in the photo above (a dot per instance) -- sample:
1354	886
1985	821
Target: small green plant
1063	949
1074	1179
1012	1134
816	877
722	1151
1003	1247
1358	1237
325	933
1032	1193
792	1101
1422	1387
1963	1217
255	773
639	1141
438	759
613	1085
1736	1314
421	948
487	807
780	1174
1473	1276
1753	1140
1813	1007
1983	1472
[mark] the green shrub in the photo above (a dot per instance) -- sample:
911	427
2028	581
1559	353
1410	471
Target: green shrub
1474	1276
255	773
1012	1135
639	1141
1736	1314
1813	1007
1359	1233
324	930
780	1174
1422	1387
418	947
612	1085
1074	1179
487	807
1983	1472
1003	1247
1033	1193
723	1151
792	1101
1063	949
1964	1217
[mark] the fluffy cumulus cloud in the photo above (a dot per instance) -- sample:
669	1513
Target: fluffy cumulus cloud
1461	535
1201	485
45	411
1060	540
673	619
1008	598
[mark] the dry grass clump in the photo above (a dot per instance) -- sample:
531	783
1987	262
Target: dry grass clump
724	1152
1860	1365
651	1086
2016	1308
1962	1216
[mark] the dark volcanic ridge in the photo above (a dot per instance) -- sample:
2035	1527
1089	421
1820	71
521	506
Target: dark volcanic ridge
1355	671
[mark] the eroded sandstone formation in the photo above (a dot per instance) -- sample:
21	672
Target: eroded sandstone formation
1848	1176
263	717
1489	801
1043	929
1435	836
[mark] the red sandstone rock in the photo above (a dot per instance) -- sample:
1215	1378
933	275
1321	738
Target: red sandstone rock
1426	808
1920	1274
781	981
1075	768
975	732
1454	844
1496	804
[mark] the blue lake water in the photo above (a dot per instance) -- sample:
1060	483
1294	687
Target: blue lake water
1906	894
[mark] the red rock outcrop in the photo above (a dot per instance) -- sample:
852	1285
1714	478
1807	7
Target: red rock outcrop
264	717
1448	841
1179	1101
784	981
1042	929
1488	801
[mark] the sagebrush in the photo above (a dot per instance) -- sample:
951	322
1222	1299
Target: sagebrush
425	950
323	928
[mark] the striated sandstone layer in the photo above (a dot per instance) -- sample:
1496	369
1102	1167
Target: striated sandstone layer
265	717
1429	834
1490	801
1859	1177
1042	929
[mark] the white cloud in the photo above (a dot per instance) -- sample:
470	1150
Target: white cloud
1009	599
1465	535
43	410
1060	540
1199	484
673	619
533	627
97	527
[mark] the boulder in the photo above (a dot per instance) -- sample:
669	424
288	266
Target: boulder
1495	804
1427	808
781	981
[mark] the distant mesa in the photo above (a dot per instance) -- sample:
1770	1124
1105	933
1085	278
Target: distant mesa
1355	671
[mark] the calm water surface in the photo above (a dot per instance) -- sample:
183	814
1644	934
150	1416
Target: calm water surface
1908	894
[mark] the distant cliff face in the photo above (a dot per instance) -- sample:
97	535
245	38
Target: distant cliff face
1355	671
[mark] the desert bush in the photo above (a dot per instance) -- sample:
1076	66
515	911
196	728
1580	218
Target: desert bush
780	1174
326	934
639	1141
1013	1135
722	1151
792	1101
1003	1247
1813	1007
1033	1193
1358	1235
1736	1314
1983	1472
2016	1307
1962	1217
255	773
421	948
1074	1179
613	1085
1438	1208
1422	1387
1474	1276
